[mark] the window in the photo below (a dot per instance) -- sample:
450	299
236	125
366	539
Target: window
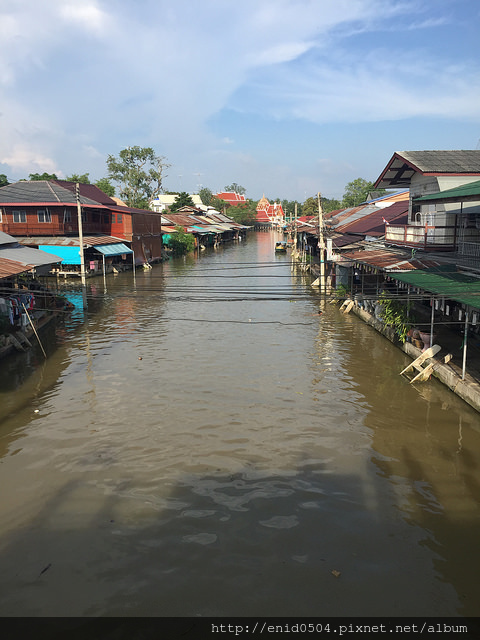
1	215
67	215
119	217
19	216
43	215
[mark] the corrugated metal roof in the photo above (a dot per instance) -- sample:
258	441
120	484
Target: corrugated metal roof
388	260
117	249
344	240
28	256
373	224
90	191
7	239
453	285
68	241
10	268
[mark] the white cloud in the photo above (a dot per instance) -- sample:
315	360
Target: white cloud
87	15
24	159
79	80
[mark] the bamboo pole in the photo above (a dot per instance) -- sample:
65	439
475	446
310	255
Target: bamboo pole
35	331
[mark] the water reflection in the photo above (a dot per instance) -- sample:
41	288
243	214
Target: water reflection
206	443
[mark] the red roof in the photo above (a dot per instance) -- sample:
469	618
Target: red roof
373	224
231	197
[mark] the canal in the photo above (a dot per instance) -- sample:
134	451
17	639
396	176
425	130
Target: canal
206	443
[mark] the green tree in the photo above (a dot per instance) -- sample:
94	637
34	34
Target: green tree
3	180
356	192
183	199
106	186
244	213
139	172
81	179
330	204
206	196
42	176
310	207
236	188
181	242
219	204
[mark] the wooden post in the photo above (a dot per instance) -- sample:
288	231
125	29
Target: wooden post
431	321
321	245
80	241
464	364
34	330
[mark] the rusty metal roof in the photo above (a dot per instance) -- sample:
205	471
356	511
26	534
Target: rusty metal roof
10	268
389	260
68	241
373	224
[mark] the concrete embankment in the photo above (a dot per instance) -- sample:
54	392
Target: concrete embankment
448	373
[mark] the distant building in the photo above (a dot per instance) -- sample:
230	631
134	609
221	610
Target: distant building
270	213
165	200
231	198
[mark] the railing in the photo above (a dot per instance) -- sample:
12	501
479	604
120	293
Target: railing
53	228
469	254
422	237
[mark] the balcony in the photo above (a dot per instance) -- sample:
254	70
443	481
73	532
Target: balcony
426	237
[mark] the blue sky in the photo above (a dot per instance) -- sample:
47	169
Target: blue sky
285	97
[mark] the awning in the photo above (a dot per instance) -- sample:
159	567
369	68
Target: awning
464	193
117	249
453	285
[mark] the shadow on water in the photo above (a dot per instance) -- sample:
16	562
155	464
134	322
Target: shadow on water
305	544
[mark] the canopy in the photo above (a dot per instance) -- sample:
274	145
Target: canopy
117	249
466	192
451	284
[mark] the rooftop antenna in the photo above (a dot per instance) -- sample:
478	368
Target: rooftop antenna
198	174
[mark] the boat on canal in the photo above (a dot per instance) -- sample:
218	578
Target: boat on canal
280	247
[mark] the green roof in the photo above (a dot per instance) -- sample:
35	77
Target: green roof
452	285
470	190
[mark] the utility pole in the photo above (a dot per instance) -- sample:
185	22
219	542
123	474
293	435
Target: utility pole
321	245
80	242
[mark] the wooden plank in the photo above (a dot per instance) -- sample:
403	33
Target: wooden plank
424	373
349	306
429	353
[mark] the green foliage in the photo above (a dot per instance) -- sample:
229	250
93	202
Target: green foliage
206	196
310	207
357	192
183	199
42	176
106	186
396	315
3	180
139	173
244	213
288	207
81	179
330	204
219	205
342	292
181	242
236	188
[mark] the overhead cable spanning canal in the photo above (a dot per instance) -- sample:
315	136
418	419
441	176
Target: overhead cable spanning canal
205	443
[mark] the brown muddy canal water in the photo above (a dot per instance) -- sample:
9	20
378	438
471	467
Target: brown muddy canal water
205	443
